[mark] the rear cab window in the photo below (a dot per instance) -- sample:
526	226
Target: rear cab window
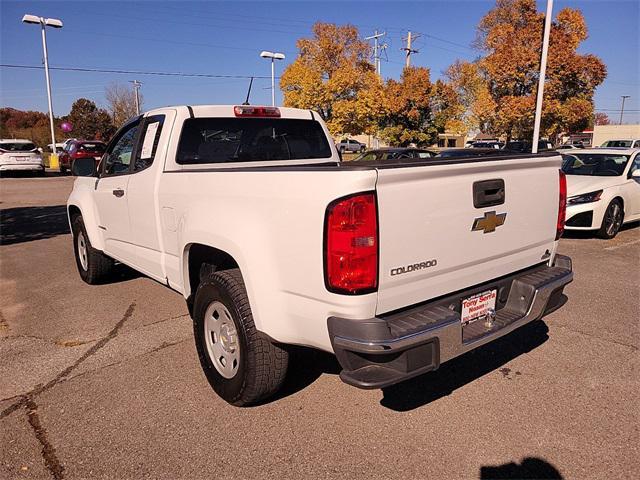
17	146
228	139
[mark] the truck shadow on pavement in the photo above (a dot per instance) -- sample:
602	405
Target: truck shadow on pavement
465	369
529	468
25	224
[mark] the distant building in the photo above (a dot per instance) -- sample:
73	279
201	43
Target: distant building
602	133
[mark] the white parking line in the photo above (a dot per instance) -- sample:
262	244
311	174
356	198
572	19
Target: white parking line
623	245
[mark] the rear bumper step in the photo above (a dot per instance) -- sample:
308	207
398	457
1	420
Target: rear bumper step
379	352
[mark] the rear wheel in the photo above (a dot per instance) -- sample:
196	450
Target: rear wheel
93	265
241	364
612	220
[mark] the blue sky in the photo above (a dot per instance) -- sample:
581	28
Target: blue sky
225	38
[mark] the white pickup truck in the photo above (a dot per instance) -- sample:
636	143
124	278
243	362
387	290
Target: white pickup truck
394	266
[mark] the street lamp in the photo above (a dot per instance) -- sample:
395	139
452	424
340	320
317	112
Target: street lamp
273	56
54	23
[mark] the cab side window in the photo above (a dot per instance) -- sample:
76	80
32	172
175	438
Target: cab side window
118	157
150	136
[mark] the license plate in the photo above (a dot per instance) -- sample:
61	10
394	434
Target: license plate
478	306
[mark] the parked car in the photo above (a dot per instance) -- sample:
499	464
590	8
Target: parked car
80	149
471	152
496	145
395	154
621	144
603	189
19	155
248	212
567	146
350	145
525	146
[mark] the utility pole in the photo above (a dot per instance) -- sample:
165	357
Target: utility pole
543	72
409	50
624	97
377	48
136	87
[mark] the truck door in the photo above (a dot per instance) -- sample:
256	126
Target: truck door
143	196
111	198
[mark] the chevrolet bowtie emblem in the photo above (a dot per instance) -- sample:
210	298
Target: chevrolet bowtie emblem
489	222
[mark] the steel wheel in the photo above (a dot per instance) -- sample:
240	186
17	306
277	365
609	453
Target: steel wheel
221	339
613	219
82	251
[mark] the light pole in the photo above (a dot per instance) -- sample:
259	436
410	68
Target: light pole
543	72
624	97
273	56
55	23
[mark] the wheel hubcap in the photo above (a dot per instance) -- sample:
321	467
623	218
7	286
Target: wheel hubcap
82	252
221	339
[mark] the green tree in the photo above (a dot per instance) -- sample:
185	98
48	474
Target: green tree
90	122
332	75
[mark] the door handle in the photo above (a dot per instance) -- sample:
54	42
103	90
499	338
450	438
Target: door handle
118	192
488	193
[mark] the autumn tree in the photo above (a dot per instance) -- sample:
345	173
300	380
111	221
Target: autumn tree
121	102
416	109
474	96
332	75
601	118
510	36
30	125
90	122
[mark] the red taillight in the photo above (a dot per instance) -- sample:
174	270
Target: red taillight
562	205
351	245
249	111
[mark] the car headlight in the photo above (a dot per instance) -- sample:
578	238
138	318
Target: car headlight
584	198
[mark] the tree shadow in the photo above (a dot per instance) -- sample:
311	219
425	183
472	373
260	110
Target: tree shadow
25	224
529	468
465	369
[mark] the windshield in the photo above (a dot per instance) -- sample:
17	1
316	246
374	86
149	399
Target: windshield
17	146
217	140
617	143
594	164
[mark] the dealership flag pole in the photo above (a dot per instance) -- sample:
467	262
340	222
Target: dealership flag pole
543	71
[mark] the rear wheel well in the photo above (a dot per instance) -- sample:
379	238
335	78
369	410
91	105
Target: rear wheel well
74	212
200	255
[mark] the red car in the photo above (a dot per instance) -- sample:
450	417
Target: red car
80	149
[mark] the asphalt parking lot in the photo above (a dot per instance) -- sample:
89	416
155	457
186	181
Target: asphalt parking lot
104	382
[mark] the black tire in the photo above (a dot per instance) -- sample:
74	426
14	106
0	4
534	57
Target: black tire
63	169
612	220
262	365
96	266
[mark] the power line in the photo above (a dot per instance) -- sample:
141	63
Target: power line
131	72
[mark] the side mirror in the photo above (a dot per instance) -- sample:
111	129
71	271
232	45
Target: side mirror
636	174
84	167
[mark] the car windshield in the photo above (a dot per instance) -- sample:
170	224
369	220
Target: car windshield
218	140
594	164
92	147
617	143
17	146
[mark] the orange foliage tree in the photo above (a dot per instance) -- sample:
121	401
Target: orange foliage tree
332	75
510	37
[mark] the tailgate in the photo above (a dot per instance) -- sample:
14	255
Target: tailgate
428	247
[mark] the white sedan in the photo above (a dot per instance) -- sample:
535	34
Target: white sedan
603	189
19	156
